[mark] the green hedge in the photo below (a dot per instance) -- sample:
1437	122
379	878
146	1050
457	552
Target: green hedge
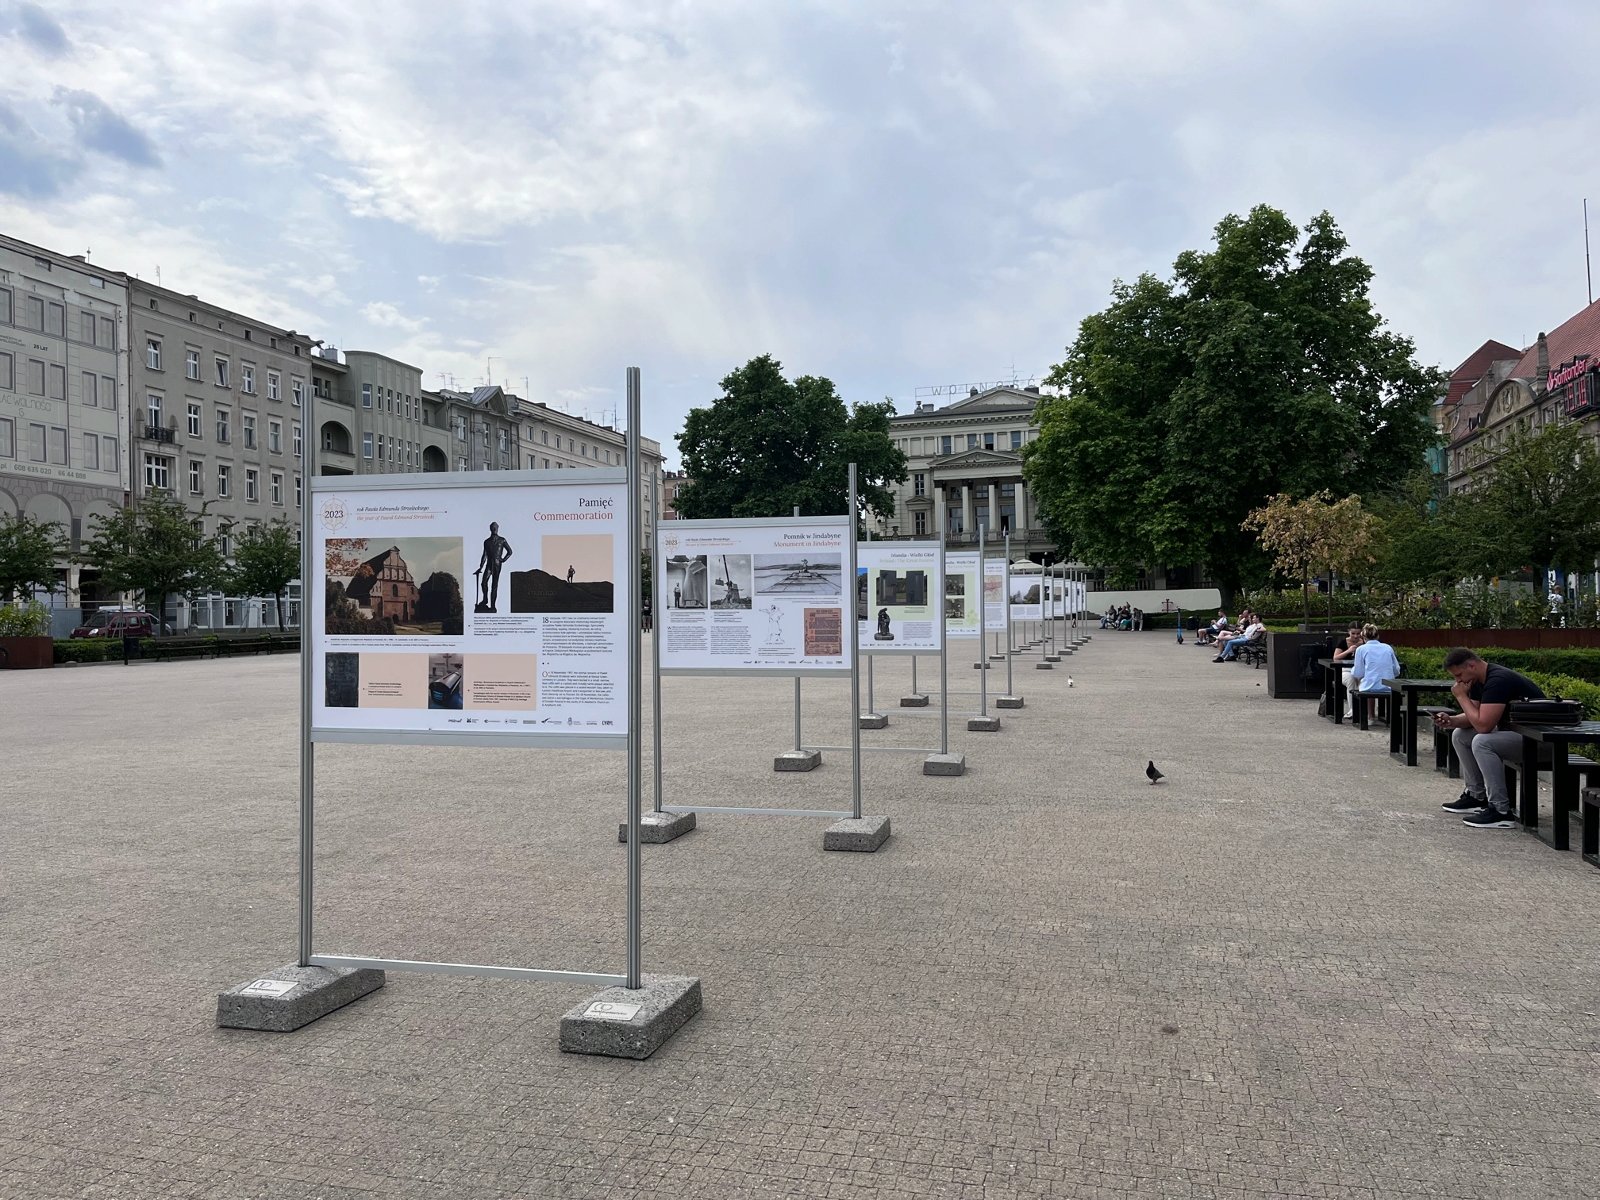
1581	665
85	650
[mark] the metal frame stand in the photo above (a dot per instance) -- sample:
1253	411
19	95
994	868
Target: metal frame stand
983	722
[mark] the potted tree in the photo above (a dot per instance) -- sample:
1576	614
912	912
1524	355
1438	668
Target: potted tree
28	553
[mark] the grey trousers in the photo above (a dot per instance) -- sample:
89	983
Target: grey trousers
1483	763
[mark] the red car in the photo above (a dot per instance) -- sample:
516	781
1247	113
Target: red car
116	623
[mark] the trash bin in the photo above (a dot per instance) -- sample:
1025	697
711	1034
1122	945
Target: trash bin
1192	624
130	647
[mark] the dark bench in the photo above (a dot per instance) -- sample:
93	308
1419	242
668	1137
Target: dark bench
258	645
1587	769
1254	653
1589	803
165	648
1444	750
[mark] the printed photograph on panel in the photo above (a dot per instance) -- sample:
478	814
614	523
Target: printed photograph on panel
685	581
955	596
444	680
573	574
342	680
732	585
902	589
393	586
1024	590
799	575
824	633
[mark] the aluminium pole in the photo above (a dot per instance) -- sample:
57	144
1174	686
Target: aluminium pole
635	715
655	647
944	655
851	632
1006	587
797	746
308	776
855	624
983	621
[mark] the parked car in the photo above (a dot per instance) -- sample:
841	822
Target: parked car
120	622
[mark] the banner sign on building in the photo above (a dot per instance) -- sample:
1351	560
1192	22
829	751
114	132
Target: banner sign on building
898	589
495	607
754	596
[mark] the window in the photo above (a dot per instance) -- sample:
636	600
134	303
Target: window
251	483
108	452
153	407
461	464
972	441
35	377
8	438
86	328
388	399
275	436
460	424
944	444
108	393
224	479
108	334
222	372
224	425
297	491
91	390
920	522
5	306
196	478
91	452
366	395
247	378
225	544
56	382
152	354
544	436
33	312
366	445
297	390
55	319
194	420
380	447
247	426
988	441
919	485
274	386
295	434
191	364
157	471
35	443
8	373
547	464
277	488
1016	439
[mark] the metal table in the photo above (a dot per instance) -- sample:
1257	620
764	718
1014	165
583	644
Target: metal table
1403	734
1564	777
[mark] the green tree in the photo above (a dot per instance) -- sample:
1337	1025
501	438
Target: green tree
266	559
766	445
1305	536
1540	506
159	550
29	550
1260	368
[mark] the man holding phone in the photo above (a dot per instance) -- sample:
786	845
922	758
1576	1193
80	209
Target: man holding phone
1482	744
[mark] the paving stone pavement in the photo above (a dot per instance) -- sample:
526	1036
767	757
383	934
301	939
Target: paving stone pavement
1283	972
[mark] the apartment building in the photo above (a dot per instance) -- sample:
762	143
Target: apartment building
671	481
373	417
553	440
63	395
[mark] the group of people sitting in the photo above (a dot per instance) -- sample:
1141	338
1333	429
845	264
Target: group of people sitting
1230	636
1125	618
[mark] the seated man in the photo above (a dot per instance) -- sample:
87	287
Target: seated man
1481	741
1253	632
1373	662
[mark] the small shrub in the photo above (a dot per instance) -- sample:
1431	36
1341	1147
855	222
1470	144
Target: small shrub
26	620
80	650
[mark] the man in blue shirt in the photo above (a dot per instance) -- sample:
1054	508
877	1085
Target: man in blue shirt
1374	662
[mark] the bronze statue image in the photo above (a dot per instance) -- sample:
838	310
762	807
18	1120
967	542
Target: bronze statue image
495	552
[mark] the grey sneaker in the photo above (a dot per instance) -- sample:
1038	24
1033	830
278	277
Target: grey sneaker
1465	803
1490	818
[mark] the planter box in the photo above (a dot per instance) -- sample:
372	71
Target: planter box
1286	658
26	653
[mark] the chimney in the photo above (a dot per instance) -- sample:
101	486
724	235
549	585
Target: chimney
971	392
1541	365
1031	389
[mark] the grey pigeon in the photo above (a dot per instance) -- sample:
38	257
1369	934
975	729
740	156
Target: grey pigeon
1155	775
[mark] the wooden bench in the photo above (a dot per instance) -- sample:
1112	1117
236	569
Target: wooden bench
165	648
1254	653
258	645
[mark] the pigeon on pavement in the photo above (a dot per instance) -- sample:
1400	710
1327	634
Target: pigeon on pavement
1155	775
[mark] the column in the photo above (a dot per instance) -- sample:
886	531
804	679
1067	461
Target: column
940	529
1024	517
969	523
994	507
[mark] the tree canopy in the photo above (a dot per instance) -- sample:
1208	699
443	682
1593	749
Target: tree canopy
1261	367
159	550
766	445
28	553
266	559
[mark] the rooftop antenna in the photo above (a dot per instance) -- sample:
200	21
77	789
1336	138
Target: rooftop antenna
158	265
1587	275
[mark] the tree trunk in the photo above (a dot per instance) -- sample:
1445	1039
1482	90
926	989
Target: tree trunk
1305	597
278	596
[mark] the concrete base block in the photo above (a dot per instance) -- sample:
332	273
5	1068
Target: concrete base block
1008	701
998	657
914	701
861	837
631	1024
798	760
266	1003
874	720
945	764
655	828
980	666
983	725
1054	658
1047	665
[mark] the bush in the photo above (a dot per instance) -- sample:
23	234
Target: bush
1582	665
83	650
26	620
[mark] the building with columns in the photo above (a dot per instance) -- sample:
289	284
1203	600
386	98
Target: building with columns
964	469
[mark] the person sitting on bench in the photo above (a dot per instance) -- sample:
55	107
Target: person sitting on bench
1374	662
1345	654
1481	741
1252	632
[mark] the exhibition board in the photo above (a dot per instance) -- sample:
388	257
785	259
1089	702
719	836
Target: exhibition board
899	586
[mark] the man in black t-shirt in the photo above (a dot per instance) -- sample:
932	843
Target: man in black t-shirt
1482	743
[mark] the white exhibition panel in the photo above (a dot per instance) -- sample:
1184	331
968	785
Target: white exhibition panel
961	619
755	595
995	574
424	620
899	586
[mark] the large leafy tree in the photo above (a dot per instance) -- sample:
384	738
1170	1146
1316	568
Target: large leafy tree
1261	367
1540	506
159	550
767	444
266	559
28	553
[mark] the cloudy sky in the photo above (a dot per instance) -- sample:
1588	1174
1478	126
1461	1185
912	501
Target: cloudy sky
895	194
